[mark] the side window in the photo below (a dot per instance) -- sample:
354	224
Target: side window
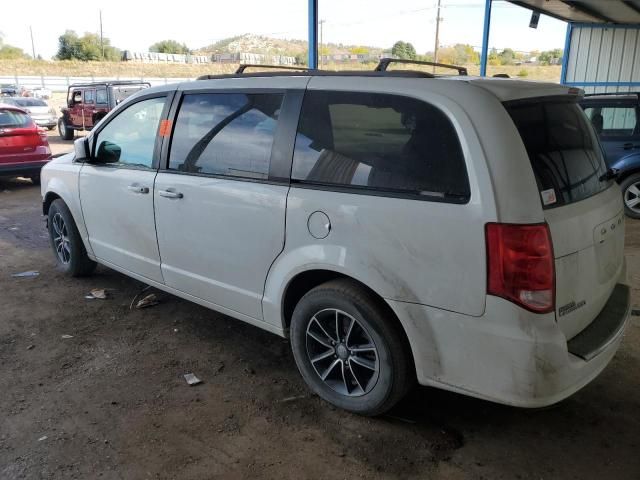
77	97
101	96
225	134
379	142
129	139
613	121
90	96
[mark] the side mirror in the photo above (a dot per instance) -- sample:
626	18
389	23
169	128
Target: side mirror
81	148
108	152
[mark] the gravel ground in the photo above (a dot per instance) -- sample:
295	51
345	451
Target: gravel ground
111	402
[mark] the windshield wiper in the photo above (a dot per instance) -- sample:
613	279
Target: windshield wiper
610	174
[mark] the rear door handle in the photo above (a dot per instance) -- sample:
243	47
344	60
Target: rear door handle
138	189
169	194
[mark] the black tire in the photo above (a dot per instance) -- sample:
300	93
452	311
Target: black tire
77	262
631	182
35	178
395	374
66	132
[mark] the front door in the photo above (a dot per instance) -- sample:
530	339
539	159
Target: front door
219	211
116	189
617	127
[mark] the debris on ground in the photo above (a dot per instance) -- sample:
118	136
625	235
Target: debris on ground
143	302
293	399
250	371
192	379
30	273
148	301
44	437
100	293
67	336
31	347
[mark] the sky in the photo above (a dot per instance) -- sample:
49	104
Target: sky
132	25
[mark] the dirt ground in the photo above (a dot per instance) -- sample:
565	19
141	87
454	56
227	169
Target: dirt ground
111	402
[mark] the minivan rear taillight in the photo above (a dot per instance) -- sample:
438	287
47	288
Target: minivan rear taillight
520	265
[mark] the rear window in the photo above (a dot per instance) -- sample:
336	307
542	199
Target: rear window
13	119
563	149
123	92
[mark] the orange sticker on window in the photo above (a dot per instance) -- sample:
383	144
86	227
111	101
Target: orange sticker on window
165	128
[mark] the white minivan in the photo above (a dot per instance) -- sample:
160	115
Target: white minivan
400	227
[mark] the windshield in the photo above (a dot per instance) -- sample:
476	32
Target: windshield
29	102
563	149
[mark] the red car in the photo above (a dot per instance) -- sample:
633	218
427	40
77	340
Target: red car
24	148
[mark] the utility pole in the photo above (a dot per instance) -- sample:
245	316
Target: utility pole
101	38
33	46
435	49
321	22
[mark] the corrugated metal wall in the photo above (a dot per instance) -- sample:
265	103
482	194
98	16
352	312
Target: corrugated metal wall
603	58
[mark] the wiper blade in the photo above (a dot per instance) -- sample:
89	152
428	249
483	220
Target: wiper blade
610	174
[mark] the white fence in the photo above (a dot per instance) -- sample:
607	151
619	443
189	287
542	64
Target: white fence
60	84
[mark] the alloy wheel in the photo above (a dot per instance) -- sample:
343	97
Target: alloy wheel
61	240
342	352
632	197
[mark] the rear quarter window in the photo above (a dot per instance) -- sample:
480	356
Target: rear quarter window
373	142
563	149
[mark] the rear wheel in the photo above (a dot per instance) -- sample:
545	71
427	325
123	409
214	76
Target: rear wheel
631	195
71	256
347	349
66	132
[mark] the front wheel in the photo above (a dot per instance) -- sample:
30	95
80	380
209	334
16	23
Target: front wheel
66	133
348	350
631	195
71	256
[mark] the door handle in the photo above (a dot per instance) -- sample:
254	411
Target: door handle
169	194
138	189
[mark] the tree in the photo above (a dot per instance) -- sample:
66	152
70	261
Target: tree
507	56
169	46
9	52
403	50
85	48
459	54
550	56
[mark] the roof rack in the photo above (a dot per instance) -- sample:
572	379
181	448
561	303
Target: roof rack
322	73
384	63
244	66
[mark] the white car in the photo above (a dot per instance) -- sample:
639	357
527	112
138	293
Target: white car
460	232
42	114
41	92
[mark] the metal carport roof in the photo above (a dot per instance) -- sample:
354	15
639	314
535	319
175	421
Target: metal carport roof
586	11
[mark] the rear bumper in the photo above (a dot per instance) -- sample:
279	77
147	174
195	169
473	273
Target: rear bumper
46	122
23	168
508	355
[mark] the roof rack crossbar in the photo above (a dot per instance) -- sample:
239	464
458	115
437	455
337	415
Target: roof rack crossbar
384	63
244	66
